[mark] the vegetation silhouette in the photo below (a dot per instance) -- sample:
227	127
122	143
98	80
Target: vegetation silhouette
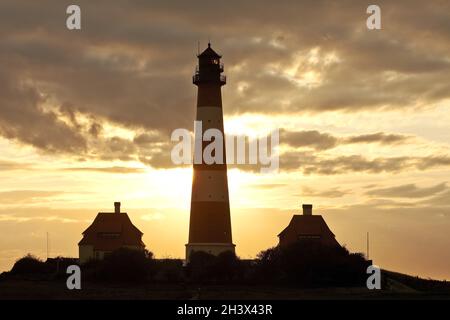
122	265
30	265
304	264
169	271
308	263
207	268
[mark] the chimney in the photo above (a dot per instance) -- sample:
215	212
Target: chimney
307	209
116	207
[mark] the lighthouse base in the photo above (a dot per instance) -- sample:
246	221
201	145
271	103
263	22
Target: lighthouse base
211	248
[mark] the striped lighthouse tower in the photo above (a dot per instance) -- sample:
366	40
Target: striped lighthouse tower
210	223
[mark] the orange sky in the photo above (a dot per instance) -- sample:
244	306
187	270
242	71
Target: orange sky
86	117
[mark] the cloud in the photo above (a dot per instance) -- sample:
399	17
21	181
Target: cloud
439	200
23	119
313	139
329	193
324	141
114	148
147	138
20	219
115	169
134	69
408	191
26	196
434	161
269	186
379	137
326	165
11	165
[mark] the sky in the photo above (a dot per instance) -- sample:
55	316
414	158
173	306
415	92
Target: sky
86	117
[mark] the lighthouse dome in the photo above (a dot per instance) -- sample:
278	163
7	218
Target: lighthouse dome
209	53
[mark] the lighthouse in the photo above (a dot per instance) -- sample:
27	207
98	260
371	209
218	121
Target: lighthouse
210	222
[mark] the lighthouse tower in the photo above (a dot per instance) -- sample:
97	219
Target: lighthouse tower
210	223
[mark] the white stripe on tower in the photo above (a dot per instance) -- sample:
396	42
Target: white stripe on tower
210	185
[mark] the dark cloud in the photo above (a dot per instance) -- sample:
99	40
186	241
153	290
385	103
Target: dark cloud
23	119
408	191
313	139
131	65
136	58
323	141
116	148
156	154
95	129
434	161
379	137
440	200
323	165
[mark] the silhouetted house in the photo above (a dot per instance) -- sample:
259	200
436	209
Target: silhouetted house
109	231
307	226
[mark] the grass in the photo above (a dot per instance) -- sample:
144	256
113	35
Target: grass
56	289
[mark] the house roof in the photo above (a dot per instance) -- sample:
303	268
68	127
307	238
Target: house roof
308	225
111	223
